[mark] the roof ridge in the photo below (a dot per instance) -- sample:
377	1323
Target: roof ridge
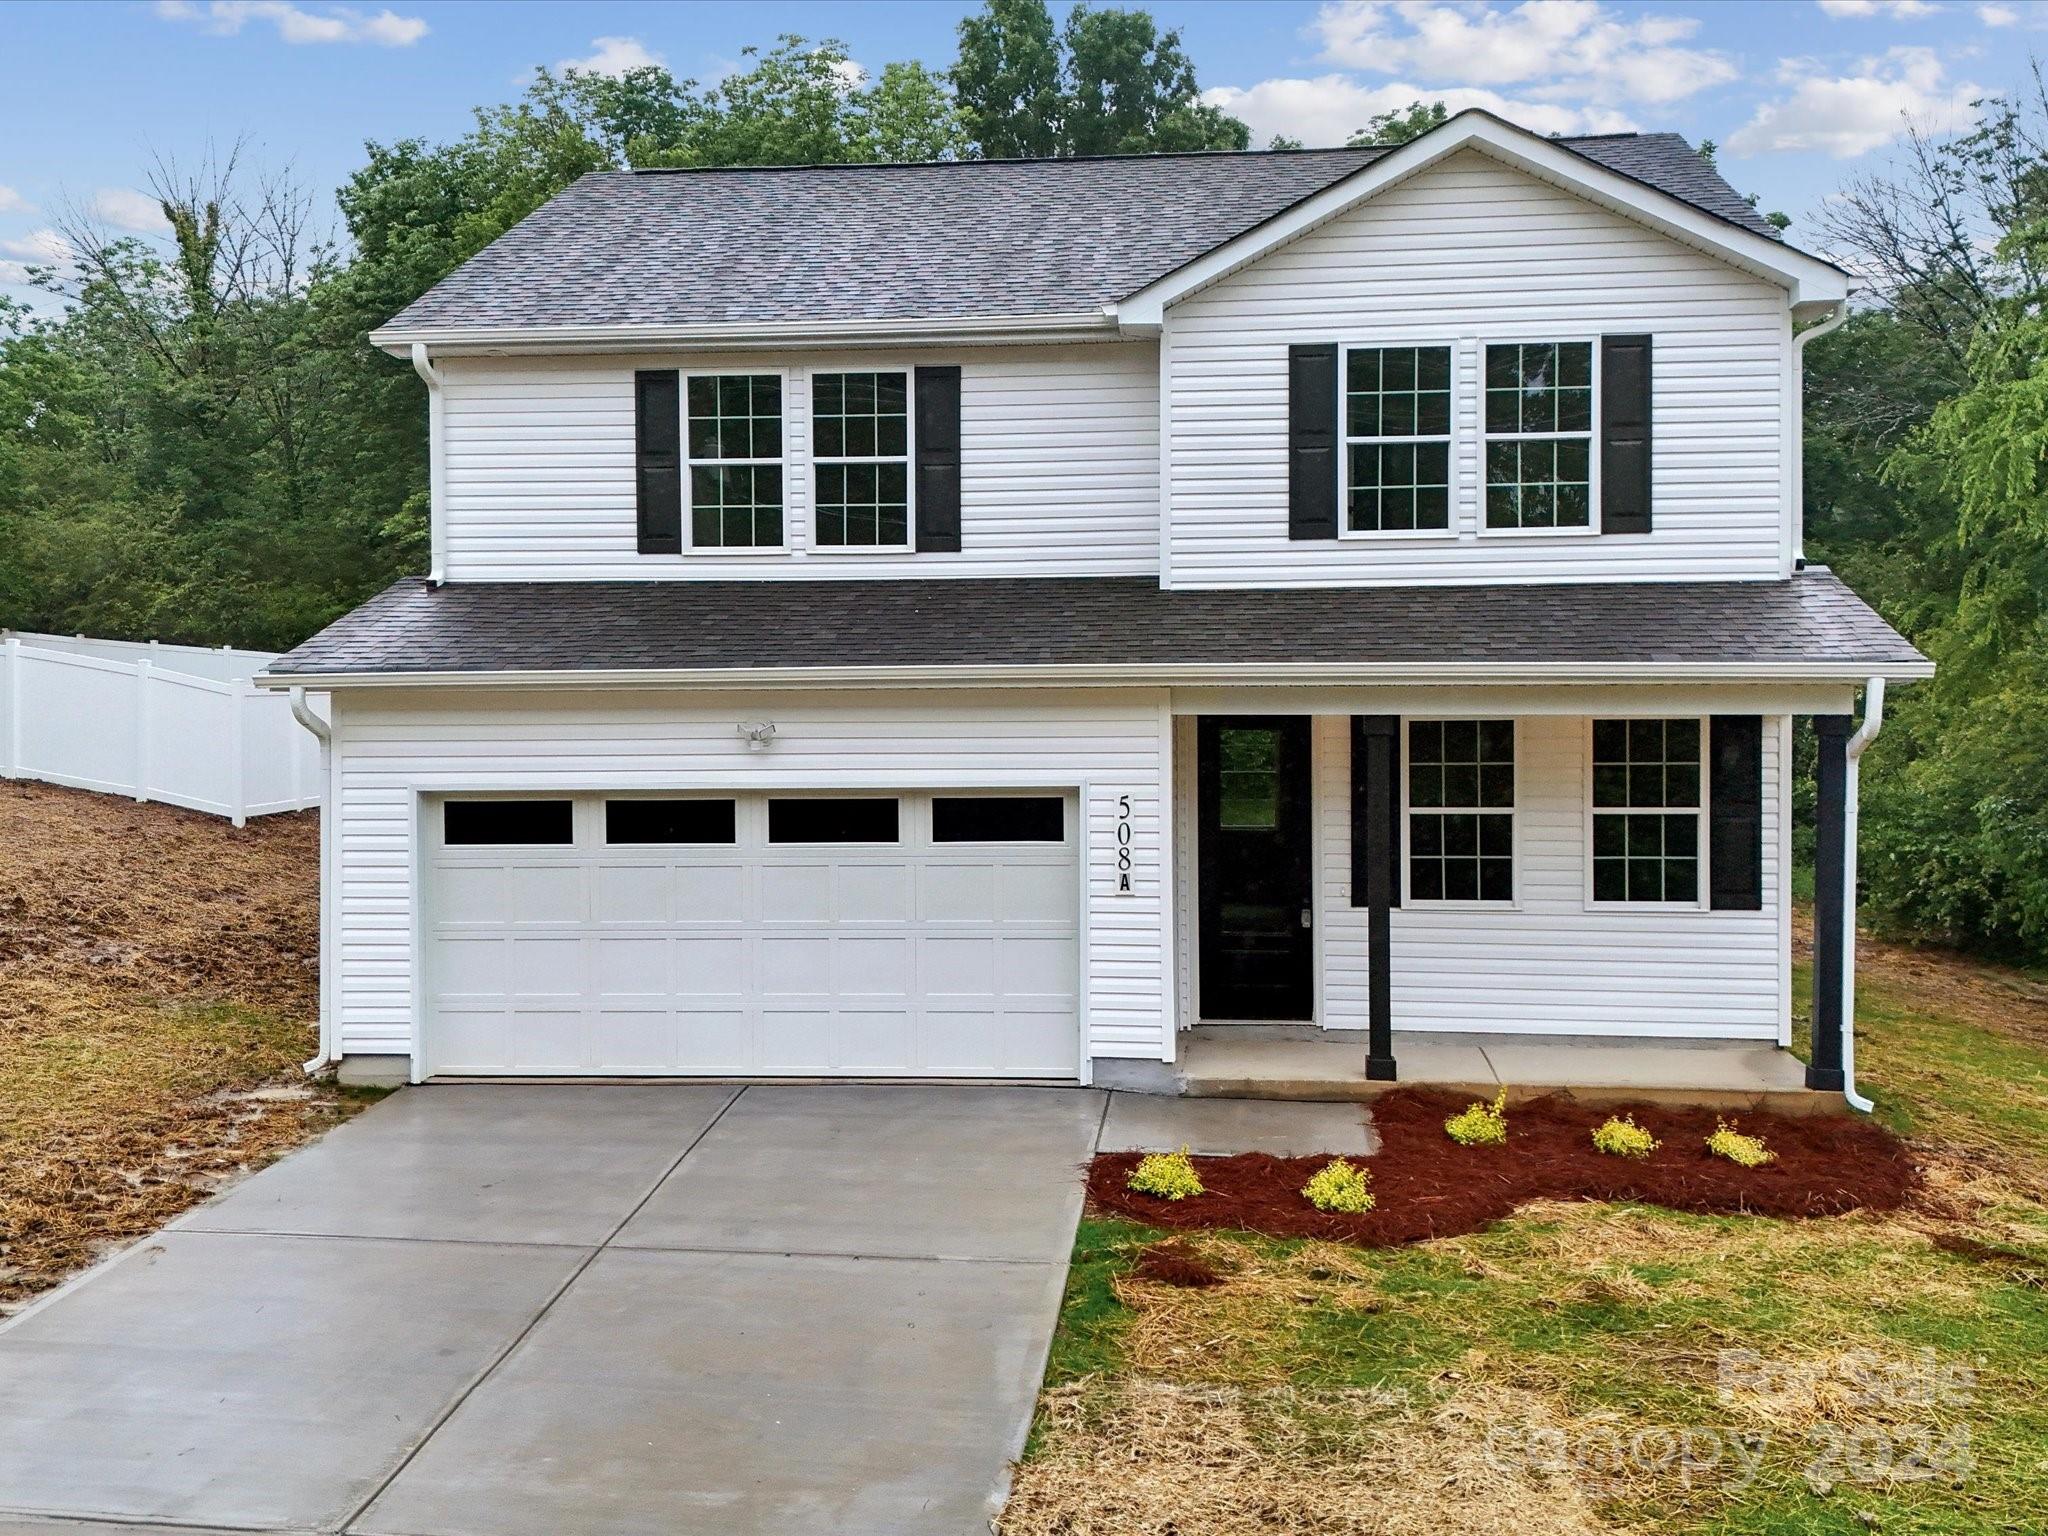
964	161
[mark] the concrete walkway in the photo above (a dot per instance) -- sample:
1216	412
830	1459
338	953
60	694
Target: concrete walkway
523	1311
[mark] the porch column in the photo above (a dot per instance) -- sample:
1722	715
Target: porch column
1377	735
1830	898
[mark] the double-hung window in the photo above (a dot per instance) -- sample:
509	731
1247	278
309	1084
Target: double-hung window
733	429
1539	435
1647	810
1461	810
860	450
1397	440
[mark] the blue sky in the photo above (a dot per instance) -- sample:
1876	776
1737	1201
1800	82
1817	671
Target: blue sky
1799	93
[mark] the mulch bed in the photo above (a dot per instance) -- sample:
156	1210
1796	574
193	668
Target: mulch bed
1427	1186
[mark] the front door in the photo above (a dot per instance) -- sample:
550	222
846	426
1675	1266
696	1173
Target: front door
1257	947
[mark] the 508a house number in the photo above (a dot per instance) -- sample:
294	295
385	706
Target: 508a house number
1123	845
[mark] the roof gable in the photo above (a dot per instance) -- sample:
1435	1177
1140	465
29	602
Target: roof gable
1742	243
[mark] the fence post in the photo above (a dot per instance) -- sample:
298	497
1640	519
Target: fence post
142	742
10	728
238	806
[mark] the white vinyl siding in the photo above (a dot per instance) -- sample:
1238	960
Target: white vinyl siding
1475	251
1556	963
1059	468
390	753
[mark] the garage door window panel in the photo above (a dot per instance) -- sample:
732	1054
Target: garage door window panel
638	822
999	819
834	821
508	823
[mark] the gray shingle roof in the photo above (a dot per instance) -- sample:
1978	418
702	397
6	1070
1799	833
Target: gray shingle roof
1107	621
999	238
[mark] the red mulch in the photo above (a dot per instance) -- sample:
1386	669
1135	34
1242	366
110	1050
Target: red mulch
1172	1262
1426	1185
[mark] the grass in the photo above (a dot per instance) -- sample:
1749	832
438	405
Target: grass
157	992
1564	1370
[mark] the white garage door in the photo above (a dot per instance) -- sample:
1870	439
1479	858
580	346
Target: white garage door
917	934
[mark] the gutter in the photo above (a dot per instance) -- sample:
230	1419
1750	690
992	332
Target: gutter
1796	423
1866	733
1094	324
1108	675
437	466
324	734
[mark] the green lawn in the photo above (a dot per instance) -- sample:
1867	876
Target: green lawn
1596	1368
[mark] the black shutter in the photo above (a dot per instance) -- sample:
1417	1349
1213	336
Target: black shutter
1735	812
1625	434
938	460
1361	791
658	459
1312	441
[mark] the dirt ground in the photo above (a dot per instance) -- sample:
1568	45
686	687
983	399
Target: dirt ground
159	976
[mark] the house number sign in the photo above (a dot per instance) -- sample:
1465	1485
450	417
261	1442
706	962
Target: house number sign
1123	845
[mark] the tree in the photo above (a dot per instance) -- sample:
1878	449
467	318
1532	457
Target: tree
1398	127
1109	82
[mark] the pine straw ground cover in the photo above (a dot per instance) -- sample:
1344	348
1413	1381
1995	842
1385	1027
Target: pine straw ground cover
158	991
1594	1367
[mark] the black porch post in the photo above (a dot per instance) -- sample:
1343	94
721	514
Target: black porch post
1377	733
1830	898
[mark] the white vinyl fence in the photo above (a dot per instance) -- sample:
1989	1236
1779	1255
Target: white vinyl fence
175	723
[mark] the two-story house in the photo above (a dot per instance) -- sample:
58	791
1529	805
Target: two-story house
982	620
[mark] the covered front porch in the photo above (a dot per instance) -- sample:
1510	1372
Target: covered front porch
1580	890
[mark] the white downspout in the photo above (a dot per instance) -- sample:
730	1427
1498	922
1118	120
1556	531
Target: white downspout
1866	733
329	815
1797	455
437	466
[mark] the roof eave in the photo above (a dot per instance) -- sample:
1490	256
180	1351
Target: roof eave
455	340
1808	279
1188	674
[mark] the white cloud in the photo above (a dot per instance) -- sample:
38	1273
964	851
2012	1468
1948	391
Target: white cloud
1904	10
12	201
125	208
613	56
1849	115
39	248
333	24
1998	15
1562	50
1330	108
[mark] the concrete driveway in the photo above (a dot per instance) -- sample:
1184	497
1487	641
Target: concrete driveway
537	1310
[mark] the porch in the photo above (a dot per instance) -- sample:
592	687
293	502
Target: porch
1302	1062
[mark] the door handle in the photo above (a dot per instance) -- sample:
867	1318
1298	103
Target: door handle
1307	918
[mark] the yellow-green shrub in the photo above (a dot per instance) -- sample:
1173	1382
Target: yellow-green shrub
1622	1137
1339	1186
1730	1143
1480	1125
1169	1175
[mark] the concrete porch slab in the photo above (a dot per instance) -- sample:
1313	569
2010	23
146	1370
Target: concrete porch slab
479	1163
1293	1062
881	1171
254	1382
708	1393
1150	1122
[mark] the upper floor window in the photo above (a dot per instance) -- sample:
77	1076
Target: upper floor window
1539	435
1647	809
734	434
860	451
1397	439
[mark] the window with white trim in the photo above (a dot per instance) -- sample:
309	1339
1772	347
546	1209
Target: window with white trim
1647	810
1397	439
1539	435
1461	810
860	454
732	426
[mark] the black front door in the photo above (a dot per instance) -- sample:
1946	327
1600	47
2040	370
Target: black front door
1257	948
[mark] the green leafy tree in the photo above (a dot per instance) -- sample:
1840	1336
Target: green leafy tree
1398	127
1108	82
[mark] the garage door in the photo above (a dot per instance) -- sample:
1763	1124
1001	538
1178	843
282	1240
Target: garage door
917	934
